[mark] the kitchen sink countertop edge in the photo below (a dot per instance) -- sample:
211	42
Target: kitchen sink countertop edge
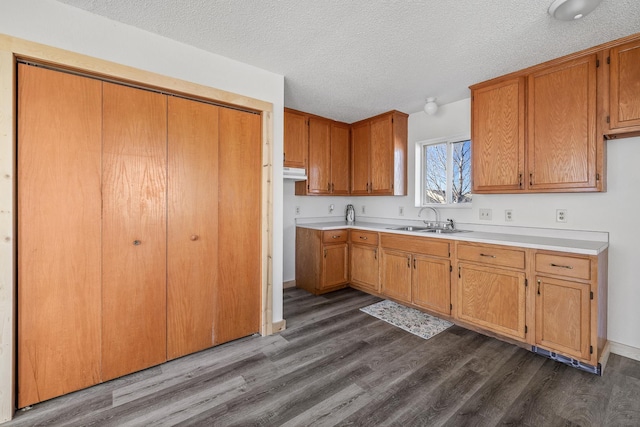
579	246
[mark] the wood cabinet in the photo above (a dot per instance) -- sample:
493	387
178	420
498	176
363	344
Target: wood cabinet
328	166
364	272
491	288
570	305
322	260
624	88
416	270
119	230
379	155
296	139
560	151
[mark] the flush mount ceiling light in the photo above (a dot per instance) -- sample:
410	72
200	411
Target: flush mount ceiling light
431	107
569	10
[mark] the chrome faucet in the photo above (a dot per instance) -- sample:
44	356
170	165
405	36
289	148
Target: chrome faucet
435	211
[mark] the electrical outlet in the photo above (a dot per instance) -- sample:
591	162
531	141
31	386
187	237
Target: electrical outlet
561	215
297	210
508	215
363	210
485	214
401	210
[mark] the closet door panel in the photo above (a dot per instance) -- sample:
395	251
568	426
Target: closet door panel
59	117
192	233
134	230
239	281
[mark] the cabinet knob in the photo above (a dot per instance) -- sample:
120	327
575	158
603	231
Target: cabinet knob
194	237
137	243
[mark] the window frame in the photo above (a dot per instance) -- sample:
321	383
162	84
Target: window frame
420	169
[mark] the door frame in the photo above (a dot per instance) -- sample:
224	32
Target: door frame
13	49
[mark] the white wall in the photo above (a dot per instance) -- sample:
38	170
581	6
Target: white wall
55	24
613	211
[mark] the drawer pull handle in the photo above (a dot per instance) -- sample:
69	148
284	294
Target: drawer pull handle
363	237
561	266
488	255
335	237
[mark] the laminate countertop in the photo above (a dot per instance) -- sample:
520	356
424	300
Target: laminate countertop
529	240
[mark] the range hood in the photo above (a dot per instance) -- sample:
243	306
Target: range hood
295	174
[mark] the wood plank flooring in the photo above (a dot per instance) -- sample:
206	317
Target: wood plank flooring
335	365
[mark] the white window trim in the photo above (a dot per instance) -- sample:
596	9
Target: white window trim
419	170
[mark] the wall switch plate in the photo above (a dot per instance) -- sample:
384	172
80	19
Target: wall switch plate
297	210
561	215
401	210
331	208
508	215
485	214
363	210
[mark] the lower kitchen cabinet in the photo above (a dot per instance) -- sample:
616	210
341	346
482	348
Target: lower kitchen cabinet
322	260
364	272
395	276
431	284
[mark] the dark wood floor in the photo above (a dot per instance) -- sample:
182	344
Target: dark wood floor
335	365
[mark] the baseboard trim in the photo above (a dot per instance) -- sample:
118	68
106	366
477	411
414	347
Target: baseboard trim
289	284
279	326
625	350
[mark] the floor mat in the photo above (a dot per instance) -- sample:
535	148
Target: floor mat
411	320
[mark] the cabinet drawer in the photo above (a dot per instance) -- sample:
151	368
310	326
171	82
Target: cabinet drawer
580	268
416	245
334	236
364	237
492	255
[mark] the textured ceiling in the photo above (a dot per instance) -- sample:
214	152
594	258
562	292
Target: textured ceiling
349	60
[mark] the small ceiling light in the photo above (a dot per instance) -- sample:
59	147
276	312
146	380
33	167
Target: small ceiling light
569	10
431	107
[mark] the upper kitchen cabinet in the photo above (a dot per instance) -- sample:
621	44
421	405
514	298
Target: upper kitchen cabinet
379	155
498	136
328	148
624	88
561	119
296	137
535	130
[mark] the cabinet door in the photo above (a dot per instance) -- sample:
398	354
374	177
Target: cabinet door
335	265
364	266
59	174
562	126
562	316
492	298
319	173
134	232
339	159
395	276
381	170
192	225
625	86
237	307
296	137
360	155
498	113
431	283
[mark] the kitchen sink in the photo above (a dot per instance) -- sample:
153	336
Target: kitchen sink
409	228
443	231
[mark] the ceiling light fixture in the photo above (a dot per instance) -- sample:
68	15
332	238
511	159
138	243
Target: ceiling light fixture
431	107
570	10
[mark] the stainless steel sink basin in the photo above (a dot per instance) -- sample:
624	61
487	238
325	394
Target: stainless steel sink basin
443	231
408	228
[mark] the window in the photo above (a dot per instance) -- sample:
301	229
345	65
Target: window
443	171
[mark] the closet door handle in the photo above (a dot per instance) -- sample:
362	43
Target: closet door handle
194	237
137	243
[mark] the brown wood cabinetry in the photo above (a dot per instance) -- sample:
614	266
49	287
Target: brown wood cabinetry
624	88
328	166
119	229
491	288
570	305
322	260
560	151
364	273
416	270
296	137
379	155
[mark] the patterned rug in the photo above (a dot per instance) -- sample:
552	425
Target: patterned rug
409	319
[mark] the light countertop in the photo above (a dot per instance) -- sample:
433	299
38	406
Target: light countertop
573	245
